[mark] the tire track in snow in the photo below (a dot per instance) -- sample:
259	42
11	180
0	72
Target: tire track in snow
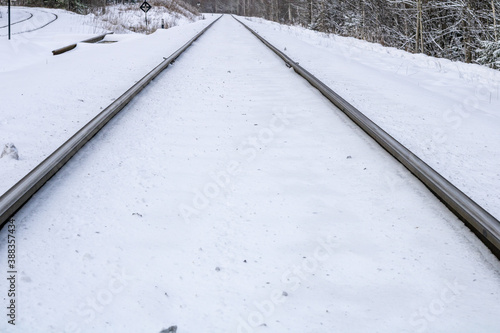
17	22
37	28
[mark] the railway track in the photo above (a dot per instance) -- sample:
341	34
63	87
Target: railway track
195	116
483	224
20	193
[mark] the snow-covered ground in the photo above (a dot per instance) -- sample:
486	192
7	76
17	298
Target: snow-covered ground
448	113
38	31
26	19
232	197
34	39
44	99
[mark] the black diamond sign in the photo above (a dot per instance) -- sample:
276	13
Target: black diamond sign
145	6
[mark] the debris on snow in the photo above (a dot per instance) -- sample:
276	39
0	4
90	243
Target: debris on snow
171	329
10	150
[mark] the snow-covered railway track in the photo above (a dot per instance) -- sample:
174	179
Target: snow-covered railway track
481	222
486	227
231	196
20	193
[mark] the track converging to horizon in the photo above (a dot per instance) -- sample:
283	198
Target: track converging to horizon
230	186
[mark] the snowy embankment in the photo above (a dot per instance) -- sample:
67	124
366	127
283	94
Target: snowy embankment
126	18
448	113
38	31
44	99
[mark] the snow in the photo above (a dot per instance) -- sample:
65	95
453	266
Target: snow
445	112
25	19
49	29
17	16
42	106
128	18
230	196
9	150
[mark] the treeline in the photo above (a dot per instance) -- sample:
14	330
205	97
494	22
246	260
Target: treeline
86	6
465	30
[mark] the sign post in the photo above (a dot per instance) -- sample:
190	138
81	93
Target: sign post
8	18
145	7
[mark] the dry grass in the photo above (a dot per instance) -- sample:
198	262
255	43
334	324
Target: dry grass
129	18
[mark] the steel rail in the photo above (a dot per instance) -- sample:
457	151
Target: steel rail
12	200
482	223
96	38
64	49
72	46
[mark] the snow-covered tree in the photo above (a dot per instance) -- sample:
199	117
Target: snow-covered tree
489	54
